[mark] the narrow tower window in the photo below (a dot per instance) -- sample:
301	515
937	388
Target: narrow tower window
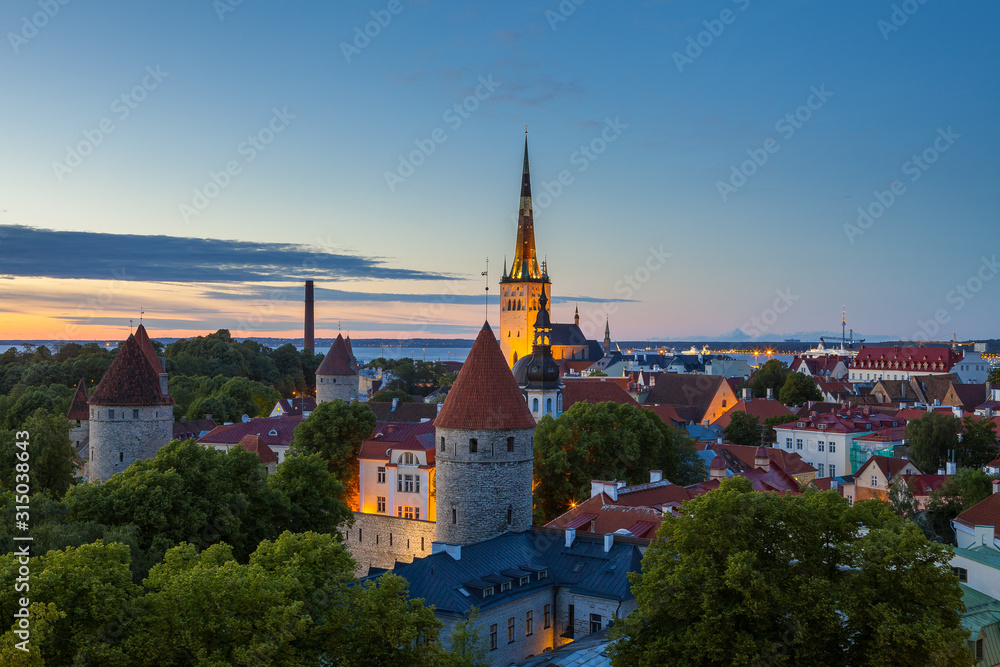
454	515
473	445
442	443
510	515
510	444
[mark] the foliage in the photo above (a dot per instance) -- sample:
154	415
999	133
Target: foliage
901	498
931	437
771	375
798	389
994	376
49	454
312	495
978	442
961	491
605	441
414	377
776	420
386	395
233	399
23	401
335	431
745	578
469	647
743	429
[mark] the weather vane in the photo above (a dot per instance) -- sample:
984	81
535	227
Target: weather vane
486	274
130	325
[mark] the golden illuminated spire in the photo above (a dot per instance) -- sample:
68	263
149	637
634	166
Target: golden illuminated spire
525	266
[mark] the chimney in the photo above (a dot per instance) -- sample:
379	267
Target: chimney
761	459
208	416
746	394
611	488
570	536
996	486
163	384
770	393
655	476
395	402
309	334
902	391
440	405
950	467
940	471
453	550
596	486
609	541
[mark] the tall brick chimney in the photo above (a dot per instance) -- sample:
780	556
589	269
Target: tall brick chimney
309	337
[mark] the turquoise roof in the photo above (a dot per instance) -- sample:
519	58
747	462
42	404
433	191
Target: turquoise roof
981	554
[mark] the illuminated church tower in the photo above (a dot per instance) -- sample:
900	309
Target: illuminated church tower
521	288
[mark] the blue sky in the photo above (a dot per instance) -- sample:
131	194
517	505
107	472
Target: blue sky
300	121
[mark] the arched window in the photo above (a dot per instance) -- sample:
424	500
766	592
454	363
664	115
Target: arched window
442	443
534	405
548	405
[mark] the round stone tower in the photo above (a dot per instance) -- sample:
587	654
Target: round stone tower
337	376
484	440
131	411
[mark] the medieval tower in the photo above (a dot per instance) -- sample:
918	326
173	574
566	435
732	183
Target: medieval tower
337	376
484	438
131	411
79	417
526	282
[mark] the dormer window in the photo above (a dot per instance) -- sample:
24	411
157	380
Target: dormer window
543	574
523	581
504	587
273	432
488	592
800	425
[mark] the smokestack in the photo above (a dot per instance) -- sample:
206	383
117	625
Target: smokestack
309	335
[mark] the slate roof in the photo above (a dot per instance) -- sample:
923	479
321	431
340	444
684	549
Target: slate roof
130	380
984	513
231	434
338	360
583	568
593	390
404	412
78	408
485	394
256	444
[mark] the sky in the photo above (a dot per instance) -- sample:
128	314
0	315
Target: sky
698	168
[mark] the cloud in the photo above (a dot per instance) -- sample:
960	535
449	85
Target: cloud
32	252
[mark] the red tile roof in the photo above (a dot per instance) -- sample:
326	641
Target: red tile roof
256	444
984	513
923	485
599	514
671	414
906	414
760	408
404	412
926	359
485	394
231	434
147	348
130	380
969	395
78	408
682	389
397	435
889	465
338	360
594	390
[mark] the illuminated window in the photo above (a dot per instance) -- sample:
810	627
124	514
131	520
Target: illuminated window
380	502
381	475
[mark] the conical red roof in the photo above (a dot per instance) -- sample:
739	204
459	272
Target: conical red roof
78	409
130	380
485	394
256	444
350	348
338	360
146	345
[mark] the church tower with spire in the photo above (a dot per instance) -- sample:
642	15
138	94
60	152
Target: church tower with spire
542	388
523	286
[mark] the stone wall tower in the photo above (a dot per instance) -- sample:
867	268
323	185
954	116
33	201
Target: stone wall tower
79	417
131	411
337	376
484	439
521	288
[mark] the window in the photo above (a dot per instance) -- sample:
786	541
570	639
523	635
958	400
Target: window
510	444
380	502
409	458
821	445
488	592
408	484
961	573
510	630
980	649
788	443
523	581
442	443
534	405
399	482
454	515
547	616
595	623
820	469
111	414
571	622
381	475
473	445
510	515
135	414
529	624
548	405
493	637
411	512
833	470
543	574
359	535
874	480
121	457
833	448
798	443
504	587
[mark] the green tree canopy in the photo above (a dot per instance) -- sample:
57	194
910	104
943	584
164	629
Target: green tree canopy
748	578
743	429
388	394
978	444
931	437
959	492
49	456
771	375
605	441
312	495
799	388
335	431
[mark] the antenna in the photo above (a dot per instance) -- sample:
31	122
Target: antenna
141	313
130	325
843	328
486	274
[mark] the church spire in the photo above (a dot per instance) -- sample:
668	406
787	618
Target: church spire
607	336
525	266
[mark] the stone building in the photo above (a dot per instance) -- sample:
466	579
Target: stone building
79	417
131	411
484	436
337	376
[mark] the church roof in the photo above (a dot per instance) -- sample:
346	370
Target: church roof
78	409
525	265
338	360
485	395
130	380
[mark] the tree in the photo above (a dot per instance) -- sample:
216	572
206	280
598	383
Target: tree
776	420
335	431
994	377
798	389
50	457
467	644
743	429
959	492
387	395
978	442
312	495
605	441
901	498
931	437
743	578
771	375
